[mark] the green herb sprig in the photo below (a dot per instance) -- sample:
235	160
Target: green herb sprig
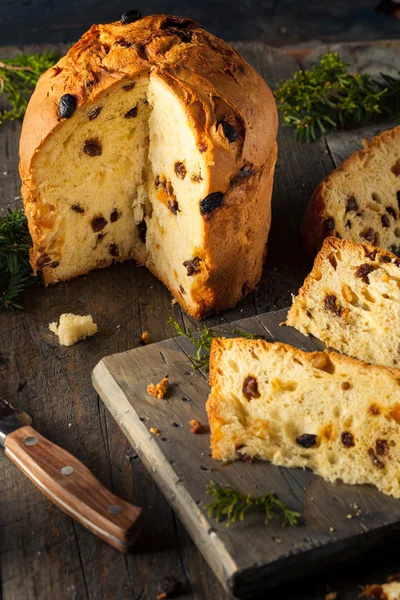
15	271
203	343
328	96
18	77
233	506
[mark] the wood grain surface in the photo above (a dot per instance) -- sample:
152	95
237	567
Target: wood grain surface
44	553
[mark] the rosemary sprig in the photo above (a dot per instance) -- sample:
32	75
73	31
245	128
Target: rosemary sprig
328	97
230	504
18	77
15	271
203	342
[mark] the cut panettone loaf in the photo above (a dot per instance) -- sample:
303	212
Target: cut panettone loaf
360	200
155	141
322	410
351	301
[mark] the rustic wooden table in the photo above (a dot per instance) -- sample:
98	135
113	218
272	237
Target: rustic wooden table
43	553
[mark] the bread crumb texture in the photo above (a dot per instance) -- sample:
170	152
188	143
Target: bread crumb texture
386	591
275	402
159	389
73	328
351	301
359	201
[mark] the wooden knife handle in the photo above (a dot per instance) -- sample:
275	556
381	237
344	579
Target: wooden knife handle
73	488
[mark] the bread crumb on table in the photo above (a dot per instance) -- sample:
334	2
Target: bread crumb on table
196	426
155	431
159	389
144	338
73	328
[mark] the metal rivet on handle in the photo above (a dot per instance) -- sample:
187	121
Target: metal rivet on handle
30	441
115	510
67	470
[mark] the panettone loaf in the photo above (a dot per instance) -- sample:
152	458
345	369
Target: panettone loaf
336	415
351	301
360	200
156	141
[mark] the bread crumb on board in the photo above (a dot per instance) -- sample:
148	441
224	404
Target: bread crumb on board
73	328
144	338
196	426
159	389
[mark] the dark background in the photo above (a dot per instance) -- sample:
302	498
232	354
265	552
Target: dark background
276	22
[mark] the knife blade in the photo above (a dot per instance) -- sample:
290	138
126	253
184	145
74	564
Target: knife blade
67	482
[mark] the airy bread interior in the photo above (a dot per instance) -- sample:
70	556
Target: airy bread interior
332	413
351	301
138	179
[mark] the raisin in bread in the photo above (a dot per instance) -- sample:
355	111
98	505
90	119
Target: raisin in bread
360	200
351	301
322	410
155	141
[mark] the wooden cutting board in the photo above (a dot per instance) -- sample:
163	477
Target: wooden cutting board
248	557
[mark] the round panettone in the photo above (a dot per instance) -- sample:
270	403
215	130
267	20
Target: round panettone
155	141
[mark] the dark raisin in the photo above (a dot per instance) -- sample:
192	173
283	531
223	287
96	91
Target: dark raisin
169	587
176	22
173	206
202	146
180	170
229	132
142	227
384	259
351	204
98	223
114	215
250	388
363	271
370	254
348	224
77	208
211	202
196	178
332	260
182	290
331	303
92	147
94	113
385	221
43	260
130	16
374	410
372	236
55	264
244	172
168	188
122	42
382	447
67	106
307	440
245	457
375	460
113	248
329	224
157	181
338	236
398	197
192	266
131	114
391	212
128	86
347	439
345	385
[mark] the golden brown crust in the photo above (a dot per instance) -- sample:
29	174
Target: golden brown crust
212	81
314	228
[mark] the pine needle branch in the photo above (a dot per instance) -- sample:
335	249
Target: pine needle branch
233	506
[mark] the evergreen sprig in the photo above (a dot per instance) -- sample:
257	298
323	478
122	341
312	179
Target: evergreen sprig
18	77
15	271
233	506
328	97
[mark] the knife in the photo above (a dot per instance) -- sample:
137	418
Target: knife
67	482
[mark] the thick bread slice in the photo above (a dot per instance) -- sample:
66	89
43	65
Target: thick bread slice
360	200
351	301
335	414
